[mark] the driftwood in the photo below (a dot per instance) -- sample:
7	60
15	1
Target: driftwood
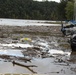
27	66
10	57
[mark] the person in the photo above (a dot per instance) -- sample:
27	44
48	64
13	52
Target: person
63	30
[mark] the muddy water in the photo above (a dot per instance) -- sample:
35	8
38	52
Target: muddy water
57	57
20	22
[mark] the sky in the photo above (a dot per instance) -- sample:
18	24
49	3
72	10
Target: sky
50	0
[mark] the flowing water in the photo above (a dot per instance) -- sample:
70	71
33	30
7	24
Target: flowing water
21	22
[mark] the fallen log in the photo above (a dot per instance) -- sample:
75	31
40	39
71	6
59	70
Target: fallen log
27	66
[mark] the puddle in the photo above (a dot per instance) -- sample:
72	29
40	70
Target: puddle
58	52
6	67
11	52
44	66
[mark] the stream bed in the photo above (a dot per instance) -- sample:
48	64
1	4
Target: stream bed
51	55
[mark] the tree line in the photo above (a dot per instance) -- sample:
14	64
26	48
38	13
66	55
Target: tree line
29	9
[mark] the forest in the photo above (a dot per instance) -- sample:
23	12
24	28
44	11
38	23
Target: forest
29	9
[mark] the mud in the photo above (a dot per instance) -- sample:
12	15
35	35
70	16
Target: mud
48	50
55	50
20	31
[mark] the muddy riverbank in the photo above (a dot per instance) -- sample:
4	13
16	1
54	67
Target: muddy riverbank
10	31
